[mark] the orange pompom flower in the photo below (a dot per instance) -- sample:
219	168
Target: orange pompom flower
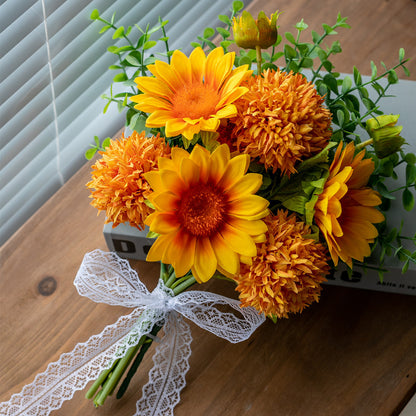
191	94
118	186
281	120
345	211
286	275
206	213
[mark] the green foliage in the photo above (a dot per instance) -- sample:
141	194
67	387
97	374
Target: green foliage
133	58
347	97
89	154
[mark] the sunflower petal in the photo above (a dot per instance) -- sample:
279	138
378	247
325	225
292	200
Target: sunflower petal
205	260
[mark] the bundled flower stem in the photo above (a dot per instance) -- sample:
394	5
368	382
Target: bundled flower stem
107	382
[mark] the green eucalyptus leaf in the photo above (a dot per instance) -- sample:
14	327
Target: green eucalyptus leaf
290	38
120	77
226	44
149	44
104	29
223	32
289	52
118	33
373	70
112	49
225	19
328	65
293	66
340	117
392	78
269	65
408	199
410	174
331	82
307	63
346	84
244	60
106	142
410	158
276	56
384	192
328	29
315	37
106	107
95	14
357	76
237	6
208	32
149	61
132	60
89	154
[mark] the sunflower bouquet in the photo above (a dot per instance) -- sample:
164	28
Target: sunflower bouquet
269	175
252	161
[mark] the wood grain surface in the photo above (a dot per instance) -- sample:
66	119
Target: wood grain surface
352	354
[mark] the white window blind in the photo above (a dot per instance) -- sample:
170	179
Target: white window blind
53	71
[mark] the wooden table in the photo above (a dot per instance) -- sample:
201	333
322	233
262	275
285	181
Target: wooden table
354	353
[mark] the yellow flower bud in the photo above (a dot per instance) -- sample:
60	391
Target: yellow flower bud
250	33
385	134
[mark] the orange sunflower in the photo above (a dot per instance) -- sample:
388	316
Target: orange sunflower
345	211
118	186
286	275
280	121
191	94
206	213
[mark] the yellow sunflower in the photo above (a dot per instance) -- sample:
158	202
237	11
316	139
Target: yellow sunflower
345	211
118	186
280	121
191	94
286	275
206	213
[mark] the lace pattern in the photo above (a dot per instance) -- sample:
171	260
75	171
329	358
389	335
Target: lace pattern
104	277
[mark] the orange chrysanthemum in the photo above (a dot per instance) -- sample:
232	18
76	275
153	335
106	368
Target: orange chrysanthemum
286	275
205	211
191	94
118	186
345	210
280	121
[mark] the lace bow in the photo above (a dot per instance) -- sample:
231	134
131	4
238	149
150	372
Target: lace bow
105	277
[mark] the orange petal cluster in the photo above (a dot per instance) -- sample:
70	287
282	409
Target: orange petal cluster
345	211
191	94
286	275
280	121
118	186
206	212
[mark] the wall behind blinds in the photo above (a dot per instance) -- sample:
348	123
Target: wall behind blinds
53	70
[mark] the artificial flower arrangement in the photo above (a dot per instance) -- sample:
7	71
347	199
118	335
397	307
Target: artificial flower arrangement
246	165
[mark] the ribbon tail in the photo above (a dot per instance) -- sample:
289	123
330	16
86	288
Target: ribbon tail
167	377
74	370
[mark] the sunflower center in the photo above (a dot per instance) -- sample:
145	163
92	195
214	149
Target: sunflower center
195	101
202	210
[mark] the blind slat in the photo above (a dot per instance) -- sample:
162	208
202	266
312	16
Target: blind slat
33	158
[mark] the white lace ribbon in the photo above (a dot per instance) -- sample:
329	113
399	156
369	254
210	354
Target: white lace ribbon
105	277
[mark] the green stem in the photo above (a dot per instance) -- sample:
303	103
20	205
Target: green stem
113	379
109	378
183	286
259	59
100	380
